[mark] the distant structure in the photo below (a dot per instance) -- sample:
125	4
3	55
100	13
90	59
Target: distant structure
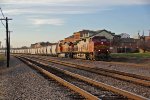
144	42
24	47
108	34
41	44
138	34
127	45
124	35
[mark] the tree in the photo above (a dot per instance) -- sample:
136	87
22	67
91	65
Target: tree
144	45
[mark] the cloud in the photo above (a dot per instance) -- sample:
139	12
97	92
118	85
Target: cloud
56	10
40	1
15	7
53	21
78	1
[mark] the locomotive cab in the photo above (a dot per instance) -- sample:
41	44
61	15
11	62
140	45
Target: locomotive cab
101	48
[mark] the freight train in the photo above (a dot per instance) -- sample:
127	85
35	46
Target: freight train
94	48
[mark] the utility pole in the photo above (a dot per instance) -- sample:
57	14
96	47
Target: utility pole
0	44
5	47
7	40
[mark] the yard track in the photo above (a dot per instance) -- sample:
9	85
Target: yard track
87	95
137	79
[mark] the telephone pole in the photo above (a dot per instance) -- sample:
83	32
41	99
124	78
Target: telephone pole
7	40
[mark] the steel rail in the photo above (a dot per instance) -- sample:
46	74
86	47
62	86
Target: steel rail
111	73
120	63
98	84
109	70
82	92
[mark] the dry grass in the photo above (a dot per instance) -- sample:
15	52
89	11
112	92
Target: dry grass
2	58
131	55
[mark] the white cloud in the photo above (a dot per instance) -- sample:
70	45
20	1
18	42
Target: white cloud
79	1
57	10
13	11
16	7
53	21
40	1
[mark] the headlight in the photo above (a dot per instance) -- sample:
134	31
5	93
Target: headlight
99	50
108	51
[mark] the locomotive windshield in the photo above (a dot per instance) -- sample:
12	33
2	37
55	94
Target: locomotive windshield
103	40
99	39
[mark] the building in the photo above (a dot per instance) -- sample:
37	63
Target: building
87	33
41	44
79	35
127	45
124	35
108	34
147	38
24	47
144	44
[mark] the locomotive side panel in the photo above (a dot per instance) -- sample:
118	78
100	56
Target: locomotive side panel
65	47
91	46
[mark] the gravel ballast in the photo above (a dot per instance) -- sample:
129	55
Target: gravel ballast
128	86
140	70
21	82
137	89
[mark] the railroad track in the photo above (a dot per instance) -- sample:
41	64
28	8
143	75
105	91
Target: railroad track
112	62
137	79
78	79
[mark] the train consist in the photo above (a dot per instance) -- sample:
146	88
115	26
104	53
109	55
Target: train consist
94	48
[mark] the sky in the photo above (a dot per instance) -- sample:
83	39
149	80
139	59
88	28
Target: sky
53	20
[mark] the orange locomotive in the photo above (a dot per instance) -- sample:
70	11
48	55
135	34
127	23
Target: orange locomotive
93	48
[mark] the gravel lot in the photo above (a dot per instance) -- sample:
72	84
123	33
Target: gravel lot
21	82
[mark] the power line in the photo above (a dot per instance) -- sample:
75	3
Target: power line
3	16
2	13
3	24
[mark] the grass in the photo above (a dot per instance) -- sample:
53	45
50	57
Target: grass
131	55
2	58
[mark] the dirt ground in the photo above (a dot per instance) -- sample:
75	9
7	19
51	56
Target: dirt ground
133	60
2	63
